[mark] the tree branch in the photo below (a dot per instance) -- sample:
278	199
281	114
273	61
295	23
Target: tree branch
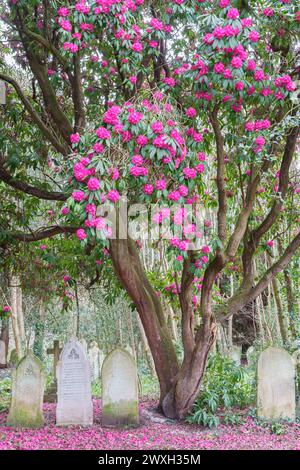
289	150
42	234
244	296
35	117
185	299
28	189
220	175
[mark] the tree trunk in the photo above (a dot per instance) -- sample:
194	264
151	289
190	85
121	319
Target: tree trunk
291	303
131	335
131	274
280	312
20	314
172	322
77	310
4	336
39	329
14	319
180	399
146	348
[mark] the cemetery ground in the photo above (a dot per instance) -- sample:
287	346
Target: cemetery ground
155	432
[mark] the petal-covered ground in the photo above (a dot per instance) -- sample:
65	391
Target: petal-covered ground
153	433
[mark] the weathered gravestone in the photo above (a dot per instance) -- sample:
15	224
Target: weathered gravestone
235	353
2	354
74	397
119	390
250	354
2	92
51	393
28	382
94	358
101	359
84	345
276	385
13	358
296	360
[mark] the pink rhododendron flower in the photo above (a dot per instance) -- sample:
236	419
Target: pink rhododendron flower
157	127
93	184
103	133
78	196
81	235
233	14
191	112
113	195
148	189
74	138
65	210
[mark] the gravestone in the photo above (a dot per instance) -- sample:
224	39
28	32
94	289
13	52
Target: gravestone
235	353
74	397
51	393
276	385
296	357
101	359
84	345
296	361
13	358
28	382
250	354
129	349
2	92
94	358
2	354
119	390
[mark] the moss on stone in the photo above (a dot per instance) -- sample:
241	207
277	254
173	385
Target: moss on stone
25	418
122	413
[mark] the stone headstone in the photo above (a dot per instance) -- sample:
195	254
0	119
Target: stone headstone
2	353
119	390
276	385
2	92
101	359
250	353
129	349
28	382
94	358
296	357
84	345
235	353
13	358
74	397
51	392
56	350
296	361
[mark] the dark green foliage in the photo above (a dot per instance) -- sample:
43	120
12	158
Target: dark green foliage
225	386
5	393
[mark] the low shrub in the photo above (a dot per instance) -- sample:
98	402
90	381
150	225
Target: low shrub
226	387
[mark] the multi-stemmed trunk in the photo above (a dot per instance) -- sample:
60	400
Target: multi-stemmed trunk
179	386
131	274
180	399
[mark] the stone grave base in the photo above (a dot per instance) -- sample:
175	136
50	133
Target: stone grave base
51	393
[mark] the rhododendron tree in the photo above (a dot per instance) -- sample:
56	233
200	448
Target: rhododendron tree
188	105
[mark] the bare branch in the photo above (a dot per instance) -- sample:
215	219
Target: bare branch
35	116
42	234
28	189
244	296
